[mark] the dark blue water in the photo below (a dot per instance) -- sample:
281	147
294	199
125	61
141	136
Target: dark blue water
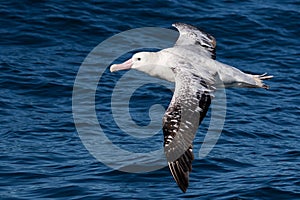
42	46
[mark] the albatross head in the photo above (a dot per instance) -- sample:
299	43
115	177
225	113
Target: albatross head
140	61
148	62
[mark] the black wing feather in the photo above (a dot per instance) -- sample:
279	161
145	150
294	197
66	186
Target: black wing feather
190	35
178	132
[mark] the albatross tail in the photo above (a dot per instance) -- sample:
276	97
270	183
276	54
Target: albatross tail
233	77
259	80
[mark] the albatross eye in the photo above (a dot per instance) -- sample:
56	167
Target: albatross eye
139	59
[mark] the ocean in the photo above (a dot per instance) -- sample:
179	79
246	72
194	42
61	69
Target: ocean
44	155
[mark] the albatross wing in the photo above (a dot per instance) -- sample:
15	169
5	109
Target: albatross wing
195	75
188	107
190	35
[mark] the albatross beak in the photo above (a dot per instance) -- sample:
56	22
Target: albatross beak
125	65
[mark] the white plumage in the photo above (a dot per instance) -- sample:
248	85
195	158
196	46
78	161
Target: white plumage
192	66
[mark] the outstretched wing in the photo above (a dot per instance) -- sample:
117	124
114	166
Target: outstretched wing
188	107
190	35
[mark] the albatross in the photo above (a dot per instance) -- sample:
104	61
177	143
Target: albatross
191	63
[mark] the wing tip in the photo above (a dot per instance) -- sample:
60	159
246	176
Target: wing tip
181	177
180	25
181	168
183	188
199	37
175	24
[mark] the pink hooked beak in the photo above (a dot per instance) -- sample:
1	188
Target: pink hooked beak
125	65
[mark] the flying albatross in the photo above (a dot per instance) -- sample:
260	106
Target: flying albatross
191	64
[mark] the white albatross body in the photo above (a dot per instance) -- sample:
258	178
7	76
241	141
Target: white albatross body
192	66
